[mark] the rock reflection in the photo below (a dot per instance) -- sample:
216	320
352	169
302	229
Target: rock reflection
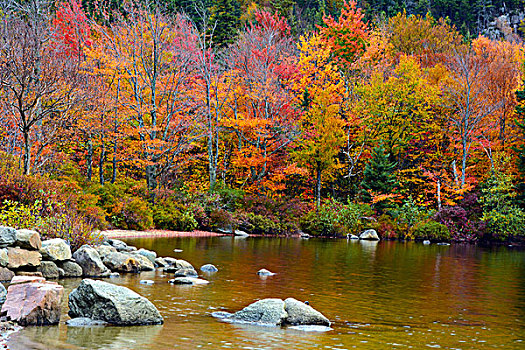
64	337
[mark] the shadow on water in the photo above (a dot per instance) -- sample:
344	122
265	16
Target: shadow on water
379	296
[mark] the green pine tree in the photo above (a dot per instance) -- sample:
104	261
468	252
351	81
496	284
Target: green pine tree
520	150
225	16
378	178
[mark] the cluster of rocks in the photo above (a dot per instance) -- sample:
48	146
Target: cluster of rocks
276	312
367	235
22	253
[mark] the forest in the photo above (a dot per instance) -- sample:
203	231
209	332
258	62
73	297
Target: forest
274	118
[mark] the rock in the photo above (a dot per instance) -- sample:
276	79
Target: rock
443	243
177	250
84	322
151	255
61	272
160	262
90	262
349	236
28	239
426	242
183	264
305	235
49	269
114	304
104	250
186	273
114	275
27	279
301	314
56	249
34	303
121	262
71	268
121	246
240	233
4	258
264	272
6	274
370	235
145	264
221	314
188	280
147	282
170	260
265	312
209	268
170	269
7	236
3	294
22	258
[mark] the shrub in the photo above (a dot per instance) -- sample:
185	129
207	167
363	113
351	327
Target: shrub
168	216
388	227
431	230
135	215
221	219
258	224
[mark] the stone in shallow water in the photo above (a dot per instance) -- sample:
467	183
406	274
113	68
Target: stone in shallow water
264	272
147	282
300	313
209	268
188	280
264	312
369	235
85	322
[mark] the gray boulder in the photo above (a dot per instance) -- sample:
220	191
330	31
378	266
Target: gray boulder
104	250
183	264
4	258
301	314
240	233
55	249
70	268
121	262
170	260
49	270
144	263
151	255
28	239
186	273
121	246
90	262
370	235
6	275
7	236
114	304
265	312
209	268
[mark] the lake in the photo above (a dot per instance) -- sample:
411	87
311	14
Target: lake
385	295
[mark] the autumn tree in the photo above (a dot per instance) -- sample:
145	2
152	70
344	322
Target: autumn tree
39	78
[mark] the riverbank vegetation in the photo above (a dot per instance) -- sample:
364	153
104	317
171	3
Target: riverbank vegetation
143	116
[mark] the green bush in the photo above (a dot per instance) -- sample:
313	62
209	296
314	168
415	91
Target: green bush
431	230
169	216
257	224
135	215
505	223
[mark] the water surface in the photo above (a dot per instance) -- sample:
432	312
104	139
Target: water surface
385	295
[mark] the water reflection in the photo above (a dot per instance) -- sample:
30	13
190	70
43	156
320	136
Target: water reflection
377	295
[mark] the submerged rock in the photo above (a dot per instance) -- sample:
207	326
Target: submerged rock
188	280
116	305
147	282
84	322
209	268
370	235
33	303
264	272
311	328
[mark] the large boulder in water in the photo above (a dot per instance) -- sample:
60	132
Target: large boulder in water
301	314
56	249
90	262
151	255
265	312
33	303
117	305
370	235
145	264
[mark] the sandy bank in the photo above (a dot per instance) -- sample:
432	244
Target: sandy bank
118	234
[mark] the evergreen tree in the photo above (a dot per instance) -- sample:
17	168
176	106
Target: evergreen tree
378	178
520	150
225	16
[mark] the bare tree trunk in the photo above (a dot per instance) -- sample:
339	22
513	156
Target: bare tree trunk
89	159
439	193
463	160
101	164
27	153
318	187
